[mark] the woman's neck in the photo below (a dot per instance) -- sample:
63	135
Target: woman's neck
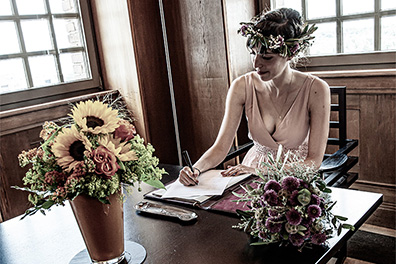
283	81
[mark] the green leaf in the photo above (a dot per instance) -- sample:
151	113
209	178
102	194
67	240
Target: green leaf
104	200
122	166
244	213
155	183
339	230
342	218
348	226
47	204
259	243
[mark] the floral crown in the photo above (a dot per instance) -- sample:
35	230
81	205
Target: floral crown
286	48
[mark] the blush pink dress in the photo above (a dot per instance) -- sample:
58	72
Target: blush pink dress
292	132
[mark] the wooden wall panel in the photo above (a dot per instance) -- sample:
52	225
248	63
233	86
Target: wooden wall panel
116	52
133	60
199	68
371	115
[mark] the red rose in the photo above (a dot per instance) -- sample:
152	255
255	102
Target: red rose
126	131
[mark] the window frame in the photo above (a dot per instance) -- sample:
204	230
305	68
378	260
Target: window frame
376	59
63	90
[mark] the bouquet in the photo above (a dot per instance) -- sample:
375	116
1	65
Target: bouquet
95	152
290	205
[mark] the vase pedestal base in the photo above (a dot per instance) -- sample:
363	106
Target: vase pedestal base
134	254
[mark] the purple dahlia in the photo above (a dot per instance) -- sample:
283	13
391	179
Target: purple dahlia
272	185
293	217
290	183
314	211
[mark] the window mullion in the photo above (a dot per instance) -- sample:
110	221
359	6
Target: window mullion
22	44
54	42
304	9
377	25
339	27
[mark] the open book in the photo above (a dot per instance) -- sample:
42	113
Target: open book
211	183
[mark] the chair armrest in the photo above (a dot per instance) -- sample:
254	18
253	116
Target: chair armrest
236	151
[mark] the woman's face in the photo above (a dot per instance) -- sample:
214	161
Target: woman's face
269	65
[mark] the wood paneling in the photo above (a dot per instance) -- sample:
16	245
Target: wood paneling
371	114
132	56
199	67
205	58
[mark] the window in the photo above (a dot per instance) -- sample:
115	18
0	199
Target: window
348	30
48	52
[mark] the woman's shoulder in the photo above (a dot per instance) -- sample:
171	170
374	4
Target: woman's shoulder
315	84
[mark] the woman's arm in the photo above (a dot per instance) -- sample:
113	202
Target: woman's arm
217	152
319	109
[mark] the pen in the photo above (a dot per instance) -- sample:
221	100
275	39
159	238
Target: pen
187	159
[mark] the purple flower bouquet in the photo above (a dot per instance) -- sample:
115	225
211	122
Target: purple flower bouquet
291	204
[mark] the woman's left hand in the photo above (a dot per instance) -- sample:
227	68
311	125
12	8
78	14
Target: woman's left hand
237	170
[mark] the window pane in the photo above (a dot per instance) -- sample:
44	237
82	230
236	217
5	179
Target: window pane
358	35
12	76
5	8
36	35
388	33
388	4
320	9
43	70
68	33
350	7
295	4
8	31
65	6
325	41
74	66
30	7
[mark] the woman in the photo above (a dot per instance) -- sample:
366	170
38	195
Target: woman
283	106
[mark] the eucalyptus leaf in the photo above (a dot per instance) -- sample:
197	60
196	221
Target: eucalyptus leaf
155	183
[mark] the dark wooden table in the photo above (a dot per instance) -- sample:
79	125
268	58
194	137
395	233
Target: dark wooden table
55	238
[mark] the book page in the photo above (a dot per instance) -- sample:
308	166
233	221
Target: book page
210	183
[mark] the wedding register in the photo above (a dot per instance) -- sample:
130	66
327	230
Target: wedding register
210	190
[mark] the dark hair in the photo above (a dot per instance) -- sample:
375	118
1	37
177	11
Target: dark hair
286	22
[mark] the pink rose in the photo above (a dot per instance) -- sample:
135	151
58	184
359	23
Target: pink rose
126	131
107	169
100	154
105	162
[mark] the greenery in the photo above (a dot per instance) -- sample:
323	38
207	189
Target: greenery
95	152
290	205
286	48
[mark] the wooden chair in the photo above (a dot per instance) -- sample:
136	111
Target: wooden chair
335	167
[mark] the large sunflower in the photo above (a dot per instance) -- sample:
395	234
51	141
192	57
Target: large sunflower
69	148
95	117
121	150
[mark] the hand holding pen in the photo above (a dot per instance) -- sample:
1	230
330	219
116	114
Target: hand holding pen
188	175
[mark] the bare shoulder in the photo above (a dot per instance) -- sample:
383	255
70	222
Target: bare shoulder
237	88
320	93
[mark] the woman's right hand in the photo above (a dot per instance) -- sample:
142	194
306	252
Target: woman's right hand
187	177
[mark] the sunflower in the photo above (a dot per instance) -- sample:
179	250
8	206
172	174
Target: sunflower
121	150
69	148
95	117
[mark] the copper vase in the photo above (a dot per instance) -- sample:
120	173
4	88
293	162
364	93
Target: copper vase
102	227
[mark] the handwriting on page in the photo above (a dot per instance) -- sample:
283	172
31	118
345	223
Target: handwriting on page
210	183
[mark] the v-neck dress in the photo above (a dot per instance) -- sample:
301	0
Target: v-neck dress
292	132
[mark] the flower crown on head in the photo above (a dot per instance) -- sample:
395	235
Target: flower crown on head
285	48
